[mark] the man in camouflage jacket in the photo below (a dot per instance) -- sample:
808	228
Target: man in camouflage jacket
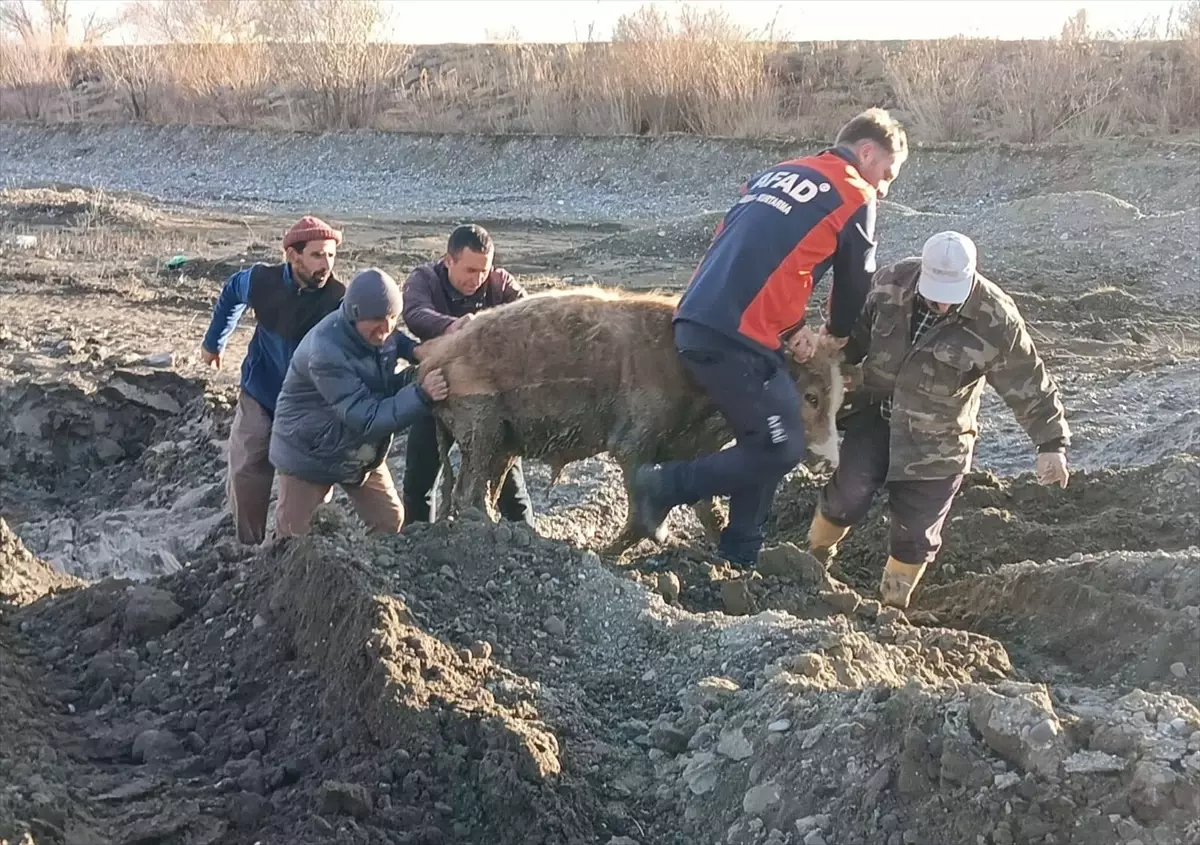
932	332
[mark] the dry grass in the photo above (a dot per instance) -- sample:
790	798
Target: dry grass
695	74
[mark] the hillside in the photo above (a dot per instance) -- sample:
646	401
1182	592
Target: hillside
953	90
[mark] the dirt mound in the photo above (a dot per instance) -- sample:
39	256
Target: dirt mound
23	577
216	269
71	207
59	434
799	760
996	521
472	682
1070	244
224	704
1127	618
120	479
712	725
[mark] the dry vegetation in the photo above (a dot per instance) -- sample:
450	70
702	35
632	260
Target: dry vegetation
319	67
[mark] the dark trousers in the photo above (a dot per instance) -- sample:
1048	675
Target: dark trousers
917	509
421	464
758	399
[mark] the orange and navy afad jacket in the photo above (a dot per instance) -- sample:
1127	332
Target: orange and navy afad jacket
794	222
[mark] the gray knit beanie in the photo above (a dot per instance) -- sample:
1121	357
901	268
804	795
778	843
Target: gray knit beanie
372	295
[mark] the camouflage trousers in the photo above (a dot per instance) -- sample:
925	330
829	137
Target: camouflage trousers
917	510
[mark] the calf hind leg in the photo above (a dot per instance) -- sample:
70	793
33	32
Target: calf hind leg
445	495
712	518
629	536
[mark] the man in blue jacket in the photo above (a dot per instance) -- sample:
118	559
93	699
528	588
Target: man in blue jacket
288	300
345	396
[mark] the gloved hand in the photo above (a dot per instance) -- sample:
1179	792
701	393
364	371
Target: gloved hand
1052	468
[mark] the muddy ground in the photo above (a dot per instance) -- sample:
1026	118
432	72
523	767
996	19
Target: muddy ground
479	683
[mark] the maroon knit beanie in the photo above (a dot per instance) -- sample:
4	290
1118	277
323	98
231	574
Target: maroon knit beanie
309	228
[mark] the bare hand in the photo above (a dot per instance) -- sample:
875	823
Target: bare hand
210	359
434	385
803	344
1052	469
459	323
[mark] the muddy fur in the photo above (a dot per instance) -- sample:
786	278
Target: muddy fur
567	375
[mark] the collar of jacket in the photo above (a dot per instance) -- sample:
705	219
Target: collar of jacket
844	153
289	278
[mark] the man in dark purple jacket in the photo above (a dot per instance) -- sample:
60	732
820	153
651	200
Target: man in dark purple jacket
441	297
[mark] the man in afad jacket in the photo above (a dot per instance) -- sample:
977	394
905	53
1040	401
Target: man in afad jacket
288	299
347	393
933	331
794	222
440	298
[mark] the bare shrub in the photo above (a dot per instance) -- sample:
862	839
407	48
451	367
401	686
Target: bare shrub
1075	87
32	80
195	21
943	85
318	64
1052	89
697	72
133	76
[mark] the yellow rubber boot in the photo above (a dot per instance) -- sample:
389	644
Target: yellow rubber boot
823	537
898	582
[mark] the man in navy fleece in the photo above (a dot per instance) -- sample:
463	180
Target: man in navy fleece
347	393
288	299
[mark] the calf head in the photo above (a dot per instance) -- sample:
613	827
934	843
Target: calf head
819	381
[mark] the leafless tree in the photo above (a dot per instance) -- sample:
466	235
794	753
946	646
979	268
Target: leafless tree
20	19
195	21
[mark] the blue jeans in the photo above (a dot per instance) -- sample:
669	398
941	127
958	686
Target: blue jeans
758	399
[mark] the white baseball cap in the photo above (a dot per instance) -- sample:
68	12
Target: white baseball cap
947	268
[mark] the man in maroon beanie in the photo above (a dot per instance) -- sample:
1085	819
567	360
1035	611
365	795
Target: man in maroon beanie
288	299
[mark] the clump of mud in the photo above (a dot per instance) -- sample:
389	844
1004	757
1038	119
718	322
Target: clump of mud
997	521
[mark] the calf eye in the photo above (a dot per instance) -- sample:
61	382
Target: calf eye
811	398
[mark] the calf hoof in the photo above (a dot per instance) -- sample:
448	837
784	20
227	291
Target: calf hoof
712	520
649	514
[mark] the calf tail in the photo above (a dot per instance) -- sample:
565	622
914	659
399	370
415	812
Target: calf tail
444	440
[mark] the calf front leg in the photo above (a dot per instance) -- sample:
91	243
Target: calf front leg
471	487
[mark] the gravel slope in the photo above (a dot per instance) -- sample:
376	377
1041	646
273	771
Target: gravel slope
614	180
